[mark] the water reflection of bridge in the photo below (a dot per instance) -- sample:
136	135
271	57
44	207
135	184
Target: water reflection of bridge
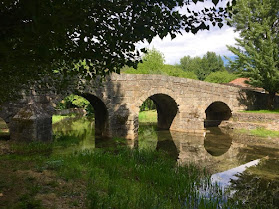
215	149
195	149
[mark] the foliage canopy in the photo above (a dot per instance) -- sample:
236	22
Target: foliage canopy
41	39
258	46
153	63
202	67
220	77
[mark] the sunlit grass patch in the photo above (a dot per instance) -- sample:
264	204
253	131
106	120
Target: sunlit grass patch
123	177
261	132
265	133
261	111
58	118
4	129
128	178
149	116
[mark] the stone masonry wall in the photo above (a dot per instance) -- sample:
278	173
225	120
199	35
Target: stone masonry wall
181	103
254	120
123	95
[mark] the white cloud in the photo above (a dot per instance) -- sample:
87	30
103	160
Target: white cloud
194	45
214	40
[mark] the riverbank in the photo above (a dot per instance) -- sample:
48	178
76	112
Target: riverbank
258	123
149	116
80	171
58	118
32	176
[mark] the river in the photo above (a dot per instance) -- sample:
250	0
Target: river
247	165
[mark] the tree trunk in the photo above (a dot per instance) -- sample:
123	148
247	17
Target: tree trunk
271	100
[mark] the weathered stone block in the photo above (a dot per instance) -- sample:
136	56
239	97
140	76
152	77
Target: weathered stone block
31	123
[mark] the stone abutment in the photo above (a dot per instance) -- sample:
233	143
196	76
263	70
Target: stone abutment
184	105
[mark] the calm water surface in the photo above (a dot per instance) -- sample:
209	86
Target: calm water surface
246	164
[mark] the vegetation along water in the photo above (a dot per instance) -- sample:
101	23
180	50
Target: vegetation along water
161	169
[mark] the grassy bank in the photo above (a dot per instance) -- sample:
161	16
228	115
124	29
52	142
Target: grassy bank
3	126
261	132
58	118
261	111
31	176
149	116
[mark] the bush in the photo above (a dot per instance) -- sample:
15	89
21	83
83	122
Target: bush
220	77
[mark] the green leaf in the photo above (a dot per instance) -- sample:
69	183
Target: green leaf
215	2
220	25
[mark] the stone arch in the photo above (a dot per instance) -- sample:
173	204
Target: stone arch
101	114
100	109
216	112
4	129
166	106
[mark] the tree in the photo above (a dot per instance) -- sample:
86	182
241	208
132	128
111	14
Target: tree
202	67
211	62
189	64
153	63
55	39
220	77
178	72
258	46
148	105
73	101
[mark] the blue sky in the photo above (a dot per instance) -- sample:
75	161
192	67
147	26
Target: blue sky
214	40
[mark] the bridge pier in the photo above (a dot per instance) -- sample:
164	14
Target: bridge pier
31	123
123	123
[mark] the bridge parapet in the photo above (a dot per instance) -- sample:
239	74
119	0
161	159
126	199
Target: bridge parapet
182	104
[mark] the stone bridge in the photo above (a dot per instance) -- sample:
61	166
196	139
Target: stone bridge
184	105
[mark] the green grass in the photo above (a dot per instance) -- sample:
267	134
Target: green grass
149	116
137	179
261	132
265	133
115	178
261	111
4	129
58	118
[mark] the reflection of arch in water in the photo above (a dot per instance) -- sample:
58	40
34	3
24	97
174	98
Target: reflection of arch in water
191	148
166	109
166	144
216	143
151	139
216	112
101	114
4	129
187	148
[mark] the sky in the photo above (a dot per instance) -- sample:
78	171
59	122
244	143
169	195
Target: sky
214	40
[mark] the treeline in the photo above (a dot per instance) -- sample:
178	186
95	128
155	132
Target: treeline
153	63
75	101
209	68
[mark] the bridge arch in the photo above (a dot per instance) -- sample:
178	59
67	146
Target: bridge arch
101	113
216	112
4	129
166	105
